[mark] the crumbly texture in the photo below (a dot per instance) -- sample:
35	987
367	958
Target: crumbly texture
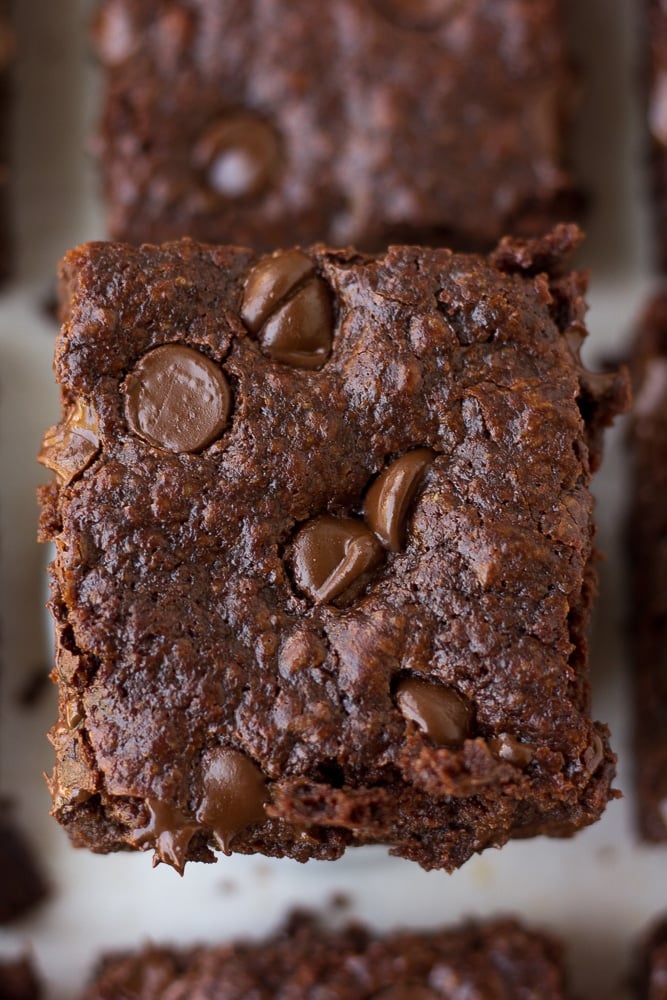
491	961
18	980
365	123
647	561
651	975
440	704
22	885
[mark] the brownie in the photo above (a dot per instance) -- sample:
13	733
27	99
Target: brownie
647	564
324	549
651	978
22	885
18	980
489	961
656	88
356	121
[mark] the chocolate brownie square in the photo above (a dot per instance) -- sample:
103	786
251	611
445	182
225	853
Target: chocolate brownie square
487	961
647	562
651	977
358	122
324	550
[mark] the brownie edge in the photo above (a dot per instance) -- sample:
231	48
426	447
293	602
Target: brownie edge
490	961
319	517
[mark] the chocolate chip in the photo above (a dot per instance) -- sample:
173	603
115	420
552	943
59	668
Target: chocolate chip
70	446
441	713
177	399
235	793
288	307
389	498
506	747
168	831
240	155
331	554
593	755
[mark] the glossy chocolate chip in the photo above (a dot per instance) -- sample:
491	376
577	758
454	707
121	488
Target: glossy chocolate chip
389	498
441	713
168	831
288	307
235	793
177	398
70	446
331	554
240	155
508	748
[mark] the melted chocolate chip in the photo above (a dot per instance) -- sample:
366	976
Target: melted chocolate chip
288	307
506	747
177	398
440	712
240	155
235	793
70	446
331	554
168	831
389	498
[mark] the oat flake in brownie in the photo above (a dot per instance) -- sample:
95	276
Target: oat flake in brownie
350	121
342	597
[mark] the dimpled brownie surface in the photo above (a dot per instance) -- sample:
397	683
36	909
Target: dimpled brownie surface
269	123
647	561
323	540
492	961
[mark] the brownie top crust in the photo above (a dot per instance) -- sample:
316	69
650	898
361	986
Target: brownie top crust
348	605
491	961
356	121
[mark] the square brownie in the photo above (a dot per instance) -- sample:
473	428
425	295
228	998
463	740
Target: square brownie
324	550
647	563
362	122
487	961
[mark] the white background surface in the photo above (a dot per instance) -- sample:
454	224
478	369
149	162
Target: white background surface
597	890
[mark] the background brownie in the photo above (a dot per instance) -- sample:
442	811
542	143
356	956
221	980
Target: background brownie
656	82
22	885
651	980
648	569
355	121
323	540
18	980
489	961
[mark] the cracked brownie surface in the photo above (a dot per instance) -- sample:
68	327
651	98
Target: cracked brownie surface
323	550
489	961
368	122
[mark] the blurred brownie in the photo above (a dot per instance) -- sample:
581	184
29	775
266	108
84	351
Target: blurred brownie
488	961
647	558
22	885
656	83
651	979
358	122
324	548
18	980
7	46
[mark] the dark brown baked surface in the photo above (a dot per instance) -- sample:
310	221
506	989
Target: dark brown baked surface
22	885
651	974
647	559
491	961
354	611
361	122
18	980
